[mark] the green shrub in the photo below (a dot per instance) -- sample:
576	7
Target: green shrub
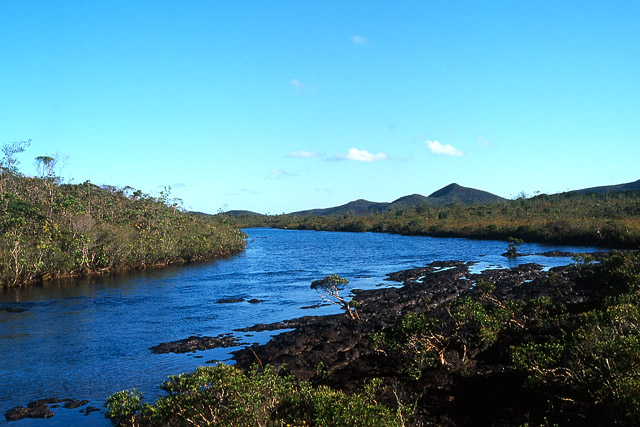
224	395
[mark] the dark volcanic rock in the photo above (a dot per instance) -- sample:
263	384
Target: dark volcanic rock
194	343
20	412
41	408
13	309
229	300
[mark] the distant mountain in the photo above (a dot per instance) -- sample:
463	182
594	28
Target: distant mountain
241	213
452	193
357	207
629	186
411	202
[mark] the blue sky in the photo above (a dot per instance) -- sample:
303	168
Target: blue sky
278	106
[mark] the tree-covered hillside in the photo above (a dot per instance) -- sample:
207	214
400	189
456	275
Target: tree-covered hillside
49	229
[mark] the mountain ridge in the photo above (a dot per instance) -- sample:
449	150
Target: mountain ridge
449	194
452	193
628	186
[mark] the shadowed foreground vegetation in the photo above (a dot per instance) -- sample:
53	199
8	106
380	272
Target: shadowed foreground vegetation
50	230
609	220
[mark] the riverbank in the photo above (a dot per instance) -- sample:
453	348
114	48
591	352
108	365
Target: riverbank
50	230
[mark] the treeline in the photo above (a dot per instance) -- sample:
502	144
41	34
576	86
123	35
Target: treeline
609	220
51	230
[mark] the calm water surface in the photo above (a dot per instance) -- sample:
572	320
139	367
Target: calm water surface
85	339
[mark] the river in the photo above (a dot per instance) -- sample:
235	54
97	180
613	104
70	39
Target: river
88	338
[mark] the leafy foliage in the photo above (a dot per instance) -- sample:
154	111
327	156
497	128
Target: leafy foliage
584	359
329	290
599	357
225	395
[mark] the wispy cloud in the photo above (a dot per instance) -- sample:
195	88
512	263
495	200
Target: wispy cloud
248	191
361	156
298	86
444	149
483	141
300	154
359	40
174	186
279	173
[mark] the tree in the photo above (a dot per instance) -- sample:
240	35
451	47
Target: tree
512	249
329	290
9	163
45	165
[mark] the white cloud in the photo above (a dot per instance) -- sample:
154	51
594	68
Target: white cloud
359	40
444	149
361	156
302	154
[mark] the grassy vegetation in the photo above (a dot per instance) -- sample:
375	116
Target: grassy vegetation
609	220
50	230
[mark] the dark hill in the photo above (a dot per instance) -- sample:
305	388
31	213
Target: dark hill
454	193
357	207
241	213
411	202
629	186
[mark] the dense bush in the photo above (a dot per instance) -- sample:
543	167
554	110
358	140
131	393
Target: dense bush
583	359
49	229
598	353
226	396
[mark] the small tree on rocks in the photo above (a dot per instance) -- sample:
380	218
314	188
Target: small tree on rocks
329	290
512	249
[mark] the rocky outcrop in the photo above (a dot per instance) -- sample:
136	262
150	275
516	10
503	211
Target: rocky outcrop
42	408
195	343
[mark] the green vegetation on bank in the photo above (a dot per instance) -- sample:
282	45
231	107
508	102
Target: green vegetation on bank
50	230
610	220
226	396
